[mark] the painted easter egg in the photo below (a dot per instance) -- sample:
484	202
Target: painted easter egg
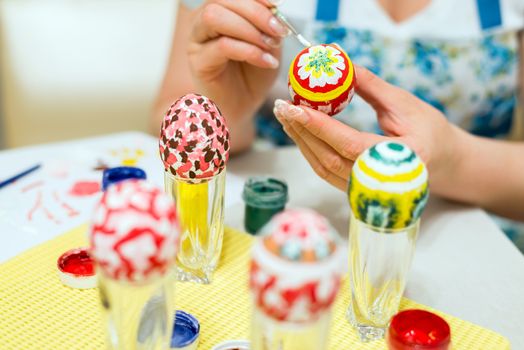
194	139
134	233
388	186
322	77
295	267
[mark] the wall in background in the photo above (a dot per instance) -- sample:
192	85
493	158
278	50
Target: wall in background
2	137
78	68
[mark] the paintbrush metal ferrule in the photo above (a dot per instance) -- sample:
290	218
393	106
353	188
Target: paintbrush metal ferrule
290	27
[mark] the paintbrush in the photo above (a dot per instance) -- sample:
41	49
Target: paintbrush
288	25
19	175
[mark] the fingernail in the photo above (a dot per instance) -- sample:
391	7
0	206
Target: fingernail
296	113
280	107
270	41
276	2
277	114
270	59
278	27
290	112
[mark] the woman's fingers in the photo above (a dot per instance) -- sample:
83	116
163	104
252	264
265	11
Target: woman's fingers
259	14
327	156
217	17
214	55
270	3
316	165
346	141
377	92
216	20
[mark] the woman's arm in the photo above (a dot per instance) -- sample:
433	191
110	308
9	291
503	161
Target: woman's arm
491	175
177	78
517	132
462	167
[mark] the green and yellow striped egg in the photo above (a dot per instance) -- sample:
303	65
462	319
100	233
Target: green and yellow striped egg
388	186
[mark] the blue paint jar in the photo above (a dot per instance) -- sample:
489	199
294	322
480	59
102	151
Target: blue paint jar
121	173
186	331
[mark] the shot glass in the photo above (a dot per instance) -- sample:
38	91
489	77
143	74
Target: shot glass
388	191
133	241
379	262
200	207
133	321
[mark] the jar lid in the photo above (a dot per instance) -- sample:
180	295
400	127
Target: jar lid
186	331
418	329
265	192
233	345
121	173
76	269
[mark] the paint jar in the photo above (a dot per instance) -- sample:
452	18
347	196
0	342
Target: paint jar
233	345
76	269
186	331
264	197
418	329
121	173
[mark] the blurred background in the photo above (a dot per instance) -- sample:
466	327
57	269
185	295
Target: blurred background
76	68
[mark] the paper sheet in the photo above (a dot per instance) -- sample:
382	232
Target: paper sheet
61	195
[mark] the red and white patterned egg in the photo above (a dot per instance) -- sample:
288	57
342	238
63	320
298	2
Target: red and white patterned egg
134	234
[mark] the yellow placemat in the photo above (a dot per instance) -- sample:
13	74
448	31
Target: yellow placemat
38	312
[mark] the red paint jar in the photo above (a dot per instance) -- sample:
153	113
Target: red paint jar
76	269
418	330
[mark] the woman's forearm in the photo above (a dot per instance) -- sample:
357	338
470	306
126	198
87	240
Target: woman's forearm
489	174
177	79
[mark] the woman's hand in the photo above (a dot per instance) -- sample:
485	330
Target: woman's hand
331	147
234	55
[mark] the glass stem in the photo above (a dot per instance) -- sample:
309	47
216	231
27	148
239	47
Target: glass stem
200	206
269	334
138	317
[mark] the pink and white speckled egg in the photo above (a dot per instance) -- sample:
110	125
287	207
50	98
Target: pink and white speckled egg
134	233
194	139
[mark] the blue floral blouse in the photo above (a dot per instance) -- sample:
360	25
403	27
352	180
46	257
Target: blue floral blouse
473	82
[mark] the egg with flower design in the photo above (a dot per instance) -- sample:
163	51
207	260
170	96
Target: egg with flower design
322	77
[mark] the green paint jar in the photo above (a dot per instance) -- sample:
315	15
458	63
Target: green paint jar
264	197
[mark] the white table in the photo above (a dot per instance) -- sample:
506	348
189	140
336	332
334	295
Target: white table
463	265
